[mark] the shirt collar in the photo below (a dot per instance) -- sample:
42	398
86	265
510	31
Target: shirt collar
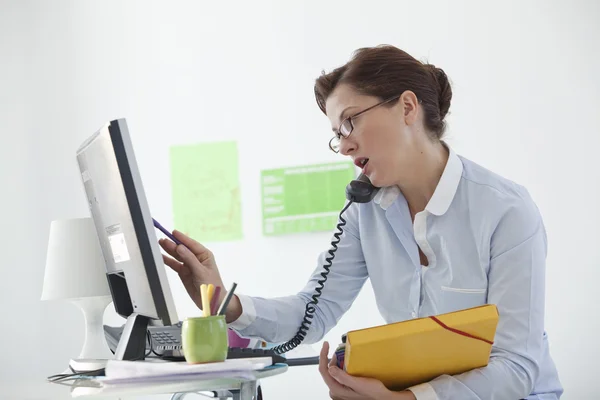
444	191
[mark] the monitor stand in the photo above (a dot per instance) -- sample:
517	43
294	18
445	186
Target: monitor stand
131	347
132	344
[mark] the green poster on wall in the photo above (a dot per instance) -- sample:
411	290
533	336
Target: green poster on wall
305	198
206	191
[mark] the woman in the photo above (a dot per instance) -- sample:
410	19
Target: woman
442	234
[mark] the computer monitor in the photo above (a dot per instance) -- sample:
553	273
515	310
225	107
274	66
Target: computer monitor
134	266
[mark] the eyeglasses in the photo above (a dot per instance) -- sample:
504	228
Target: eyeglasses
347	126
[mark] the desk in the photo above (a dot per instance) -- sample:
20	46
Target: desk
226	388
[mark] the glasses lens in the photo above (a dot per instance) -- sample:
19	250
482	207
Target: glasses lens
346	128
334	144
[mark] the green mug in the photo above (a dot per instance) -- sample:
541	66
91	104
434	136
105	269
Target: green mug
204	339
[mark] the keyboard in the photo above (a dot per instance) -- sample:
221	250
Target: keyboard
166	343
234	352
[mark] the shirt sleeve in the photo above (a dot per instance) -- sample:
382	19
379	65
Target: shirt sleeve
424	391
516	282
277	320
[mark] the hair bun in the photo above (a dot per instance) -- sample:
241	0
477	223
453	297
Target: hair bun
443	87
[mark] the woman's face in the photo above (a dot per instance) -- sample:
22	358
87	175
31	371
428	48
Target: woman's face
389	137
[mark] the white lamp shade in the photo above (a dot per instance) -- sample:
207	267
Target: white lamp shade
75	266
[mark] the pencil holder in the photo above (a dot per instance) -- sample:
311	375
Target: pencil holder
204	339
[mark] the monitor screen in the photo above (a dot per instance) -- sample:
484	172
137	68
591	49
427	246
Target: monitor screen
135	269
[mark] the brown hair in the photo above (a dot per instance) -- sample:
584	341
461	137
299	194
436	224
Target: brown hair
386	71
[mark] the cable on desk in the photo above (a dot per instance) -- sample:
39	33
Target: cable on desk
97	372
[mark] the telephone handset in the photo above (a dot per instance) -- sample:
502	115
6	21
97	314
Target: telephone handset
359	190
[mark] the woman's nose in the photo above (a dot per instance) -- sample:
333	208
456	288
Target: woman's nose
347	147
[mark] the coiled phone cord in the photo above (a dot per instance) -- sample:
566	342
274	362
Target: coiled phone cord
310	306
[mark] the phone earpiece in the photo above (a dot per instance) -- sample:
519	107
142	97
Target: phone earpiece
361	190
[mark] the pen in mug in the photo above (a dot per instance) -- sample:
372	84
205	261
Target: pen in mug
225	303
210	292
205	300
214	300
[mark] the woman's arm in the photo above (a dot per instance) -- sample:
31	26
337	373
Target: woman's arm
277	320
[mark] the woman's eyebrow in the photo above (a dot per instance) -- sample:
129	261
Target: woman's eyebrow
341	118
344	112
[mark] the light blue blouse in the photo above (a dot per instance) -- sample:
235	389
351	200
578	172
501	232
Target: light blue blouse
485	242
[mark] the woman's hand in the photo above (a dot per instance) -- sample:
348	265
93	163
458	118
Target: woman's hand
196	265
346	387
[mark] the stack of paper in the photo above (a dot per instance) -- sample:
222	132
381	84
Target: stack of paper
159	370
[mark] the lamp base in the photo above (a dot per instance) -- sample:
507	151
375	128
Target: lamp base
87	364
95	352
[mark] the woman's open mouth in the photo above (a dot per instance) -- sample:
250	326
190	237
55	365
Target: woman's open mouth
361	162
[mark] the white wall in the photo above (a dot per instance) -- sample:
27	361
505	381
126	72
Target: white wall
526	100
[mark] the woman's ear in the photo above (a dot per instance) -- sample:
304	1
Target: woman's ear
410	107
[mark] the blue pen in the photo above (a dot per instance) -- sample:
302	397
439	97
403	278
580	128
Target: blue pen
166	232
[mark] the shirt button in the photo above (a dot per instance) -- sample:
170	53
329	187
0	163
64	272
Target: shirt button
414	315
